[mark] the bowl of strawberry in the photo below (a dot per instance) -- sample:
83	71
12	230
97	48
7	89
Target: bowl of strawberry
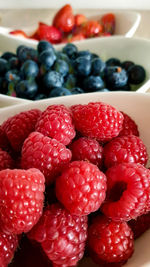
75	182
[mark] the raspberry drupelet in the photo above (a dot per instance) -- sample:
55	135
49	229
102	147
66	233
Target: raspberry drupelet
129	126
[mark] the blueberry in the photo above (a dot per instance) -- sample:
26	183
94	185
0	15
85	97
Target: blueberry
127	64
104	90
93	83
115	78
77	90
26	89
44	45
98	67
47	59
8	55
53	79
113	62
94	56
59	92
63	56
85	54
71	50
136	74
13	63
3	86
29	69
82	66
12	75
3	66
40	96
24	53
61	66
70	81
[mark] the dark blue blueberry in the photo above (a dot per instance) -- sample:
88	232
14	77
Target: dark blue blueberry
71	50
136	74
70	81
104	90
40	96
8	55
61	66
24	53
93	83
29	69
113	62
115	78
126	65
98	67
12	75
47	59
3	66
94	56
85	54
126	87
77	90
3	86
63	56
26	89
13	63
53	79
59	92
82	66
44	45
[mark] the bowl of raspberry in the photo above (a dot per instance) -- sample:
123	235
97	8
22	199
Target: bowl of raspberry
75	181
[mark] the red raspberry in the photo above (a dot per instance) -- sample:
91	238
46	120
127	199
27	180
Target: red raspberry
128	192
8	245
6	162
97	120
127	149
56	122
129	126
110	242
87	149
21	199
4	143
46	154
61	235
81	188
140	225
18	127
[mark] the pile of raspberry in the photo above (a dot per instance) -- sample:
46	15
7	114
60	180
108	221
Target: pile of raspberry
73	182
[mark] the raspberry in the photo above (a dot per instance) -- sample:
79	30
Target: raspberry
4	143
62	235
56	122
129	126
21	199
125	149
97	120
87	149
140	225
128	192
6	162
46	154
110	242
81	188
8	245
18	127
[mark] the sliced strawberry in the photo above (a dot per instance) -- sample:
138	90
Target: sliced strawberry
64	19
77	37
80	19
49	33
35	36
19	33
92	28
108	21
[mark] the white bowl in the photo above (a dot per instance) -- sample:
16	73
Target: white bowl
138	107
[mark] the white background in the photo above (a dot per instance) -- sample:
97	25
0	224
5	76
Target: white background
120	4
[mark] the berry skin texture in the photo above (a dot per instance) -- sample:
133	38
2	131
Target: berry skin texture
6	162
21	199
56	122
129	126
129	149
128	192
110	242
97	120
8	245
62	235
46	154
87	149
18	127
4	143
81	188
140	225
64	19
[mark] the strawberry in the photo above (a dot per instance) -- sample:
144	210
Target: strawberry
49	33
80	19
19	33
64	19
108	21
76	37
92	28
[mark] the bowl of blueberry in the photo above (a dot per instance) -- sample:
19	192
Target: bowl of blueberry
102	65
